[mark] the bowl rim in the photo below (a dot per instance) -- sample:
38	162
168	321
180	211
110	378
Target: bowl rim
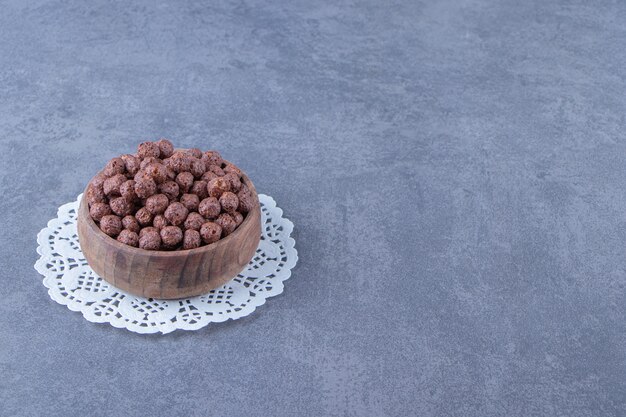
212	246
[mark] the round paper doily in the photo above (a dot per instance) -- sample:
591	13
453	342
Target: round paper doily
71	282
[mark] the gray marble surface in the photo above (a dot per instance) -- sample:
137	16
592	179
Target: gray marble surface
455	171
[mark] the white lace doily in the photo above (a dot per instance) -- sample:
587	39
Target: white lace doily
71	282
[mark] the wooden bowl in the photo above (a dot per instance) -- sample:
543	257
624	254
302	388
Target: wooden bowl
175	274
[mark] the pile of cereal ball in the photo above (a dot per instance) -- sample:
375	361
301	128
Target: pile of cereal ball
166	199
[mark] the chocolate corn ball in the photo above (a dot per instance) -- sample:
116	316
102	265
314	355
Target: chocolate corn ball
229	202
230	168
171	175
111	186
216	170
148	229
150	239
199	188
191	201
195	152
160	221
157	171
147	149
127	190
142	175
131	163
194	221
217	186
179	162
98	180
145	188
121	206
128	237
130	223
170	189
197	168
184	181
99	210
238	217
234	181
166	148
171	236
210	232
209	207
213	158
114	166
149	160
176	214
95	194
227	223
208	176
246	201
191	239
111	225
144	217
157	203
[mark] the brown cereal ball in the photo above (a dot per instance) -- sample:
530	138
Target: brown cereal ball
148	229
184	181
213	158
111	186
149	160
145	188
127	190
246	201
121	206
170	189
209	207
166	148
192	239
99	210
98	180
238	217
210	232
229	202
216	170
157	171
191	201
171	236
195	152
111	225
208	176
150	240
160	221
143	216
194	221
179	162
218	186
131	163
171	175
234	181
197	168
199	188
147	149
142	175
157	203
230	168
95	194
176	213
114	166
131	223
227	223
128	238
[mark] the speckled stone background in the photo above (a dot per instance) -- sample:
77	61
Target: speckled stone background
455	170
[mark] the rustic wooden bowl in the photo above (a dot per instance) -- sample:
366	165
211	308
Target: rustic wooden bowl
169	275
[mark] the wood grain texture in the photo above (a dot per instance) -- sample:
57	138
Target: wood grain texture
170	275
